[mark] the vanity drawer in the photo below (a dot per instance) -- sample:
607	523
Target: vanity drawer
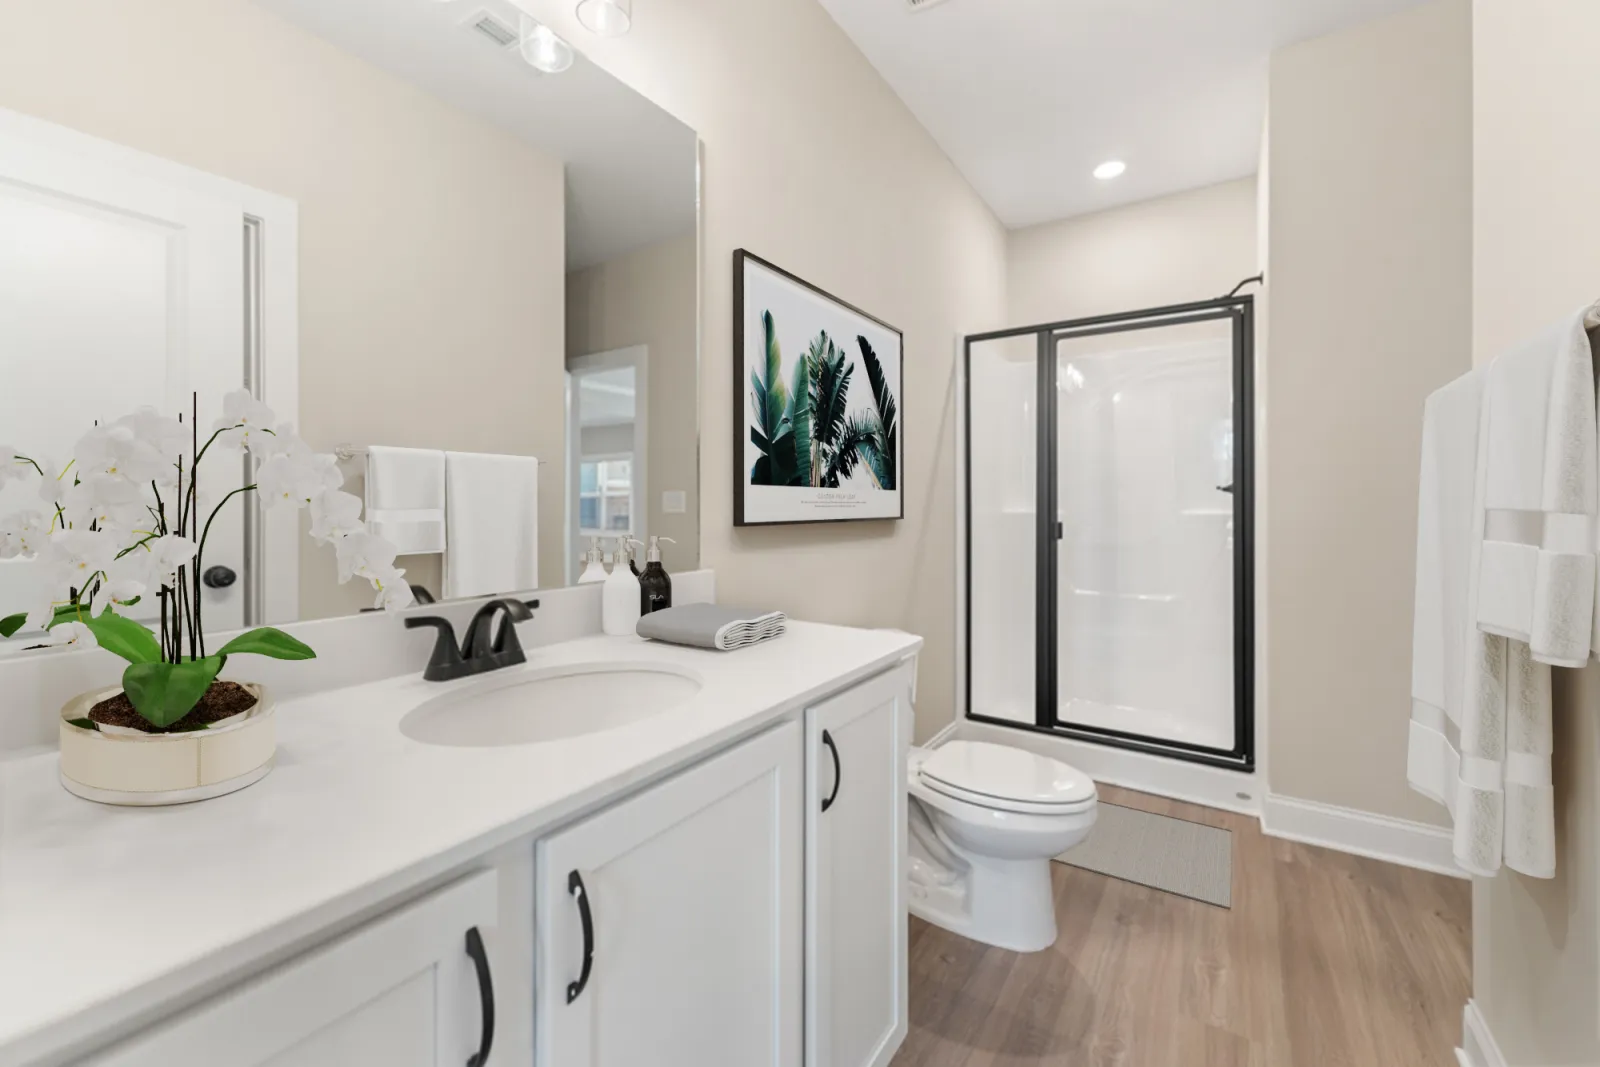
403	990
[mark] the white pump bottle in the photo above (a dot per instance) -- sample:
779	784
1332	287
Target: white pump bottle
619	598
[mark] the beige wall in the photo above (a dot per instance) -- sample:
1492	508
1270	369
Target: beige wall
1536	233
1369	158
650	297
811	161
414	218
1192	246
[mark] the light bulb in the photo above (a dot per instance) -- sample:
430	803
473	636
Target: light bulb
542	48
608	18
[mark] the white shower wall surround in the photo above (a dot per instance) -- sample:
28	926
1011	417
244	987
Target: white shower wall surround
1145	566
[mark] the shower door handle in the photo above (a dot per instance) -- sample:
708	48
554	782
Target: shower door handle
1225	488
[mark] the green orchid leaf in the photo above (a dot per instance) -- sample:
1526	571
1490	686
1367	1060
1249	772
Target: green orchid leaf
268	641
11	624
87	724
165	692
123	637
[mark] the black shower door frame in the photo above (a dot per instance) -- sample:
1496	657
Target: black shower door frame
1048	530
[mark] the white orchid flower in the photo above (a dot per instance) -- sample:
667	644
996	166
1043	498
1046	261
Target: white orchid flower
107	501
12	465
335	514
282	439
53	489
117	450
23	533
167	436
110	591
71	633
76	556
364	555
166	555
42	614
296	475
245	420
394	592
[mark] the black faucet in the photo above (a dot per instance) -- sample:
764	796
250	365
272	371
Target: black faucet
477	653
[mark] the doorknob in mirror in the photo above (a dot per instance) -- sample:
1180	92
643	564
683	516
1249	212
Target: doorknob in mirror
219	577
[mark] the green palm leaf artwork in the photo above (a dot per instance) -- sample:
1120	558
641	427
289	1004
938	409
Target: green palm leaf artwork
802	424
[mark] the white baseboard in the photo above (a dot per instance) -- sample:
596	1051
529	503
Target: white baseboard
1478	1048
1194	783
1410	844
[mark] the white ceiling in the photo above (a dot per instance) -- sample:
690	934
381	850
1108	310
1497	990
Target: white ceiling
630	166
1027	96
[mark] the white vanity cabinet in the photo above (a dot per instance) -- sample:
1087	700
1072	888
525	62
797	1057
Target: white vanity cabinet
669	927
404	991
856	1000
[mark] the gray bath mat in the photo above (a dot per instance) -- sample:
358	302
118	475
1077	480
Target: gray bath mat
1173	855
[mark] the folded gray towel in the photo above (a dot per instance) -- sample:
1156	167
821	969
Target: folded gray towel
710	626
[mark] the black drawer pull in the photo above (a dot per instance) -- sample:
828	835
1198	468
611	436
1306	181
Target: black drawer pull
838	773
581	895
480	961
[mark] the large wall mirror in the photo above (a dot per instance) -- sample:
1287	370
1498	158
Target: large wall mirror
398	232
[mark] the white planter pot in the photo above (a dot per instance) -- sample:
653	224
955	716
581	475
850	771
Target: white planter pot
122	766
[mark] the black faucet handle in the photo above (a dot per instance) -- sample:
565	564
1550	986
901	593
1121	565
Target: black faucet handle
446	654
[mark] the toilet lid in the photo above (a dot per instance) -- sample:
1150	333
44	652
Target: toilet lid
1006	774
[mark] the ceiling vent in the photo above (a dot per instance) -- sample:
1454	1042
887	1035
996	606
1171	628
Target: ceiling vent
922	5
494	29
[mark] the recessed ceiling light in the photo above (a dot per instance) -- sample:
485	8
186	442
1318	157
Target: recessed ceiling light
608	18
1111	168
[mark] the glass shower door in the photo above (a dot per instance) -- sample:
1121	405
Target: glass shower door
1146	553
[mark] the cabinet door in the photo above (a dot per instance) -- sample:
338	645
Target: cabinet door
855	873
669	925
401	991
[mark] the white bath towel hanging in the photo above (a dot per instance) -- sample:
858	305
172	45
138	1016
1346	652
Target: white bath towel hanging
1538	559
492	515
1481	732
405	497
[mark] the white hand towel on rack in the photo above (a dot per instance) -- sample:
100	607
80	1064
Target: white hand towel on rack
405	497
492	515
1442	623
1537	577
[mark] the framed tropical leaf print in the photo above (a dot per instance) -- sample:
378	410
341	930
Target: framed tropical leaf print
817	412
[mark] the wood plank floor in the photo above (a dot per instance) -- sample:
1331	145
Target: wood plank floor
1325	960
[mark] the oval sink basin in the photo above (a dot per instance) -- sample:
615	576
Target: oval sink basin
549	704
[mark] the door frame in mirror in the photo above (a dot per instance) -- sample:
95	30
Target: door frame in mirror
638	358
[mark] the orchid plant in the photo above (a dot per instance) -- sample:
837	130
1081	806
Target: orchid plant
123	522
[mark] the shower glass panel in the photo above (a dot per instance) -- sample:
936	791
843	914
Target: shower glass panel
1109	490
1003	449
1145	555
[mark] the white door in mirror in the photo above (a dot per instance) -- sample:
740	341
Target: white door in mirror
119	288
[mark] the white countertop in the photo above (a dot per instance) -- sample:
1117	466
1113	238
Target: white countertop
116	911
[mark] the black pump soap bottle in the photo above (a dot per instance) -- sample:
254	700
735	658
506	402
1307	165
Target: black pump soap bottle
655	585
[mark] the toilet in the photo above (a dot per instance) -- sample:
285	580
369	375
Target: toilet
985	821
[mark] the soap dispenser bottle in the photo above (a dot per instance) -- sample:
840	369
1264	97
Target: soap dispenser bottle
594	570
619	597
655	584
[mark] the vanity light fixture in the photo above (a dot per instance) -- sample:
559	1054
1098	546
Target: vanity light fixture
608	18
543	49
1111	168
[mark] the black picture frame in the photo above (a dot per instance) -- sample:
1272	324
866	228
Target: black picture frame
742	409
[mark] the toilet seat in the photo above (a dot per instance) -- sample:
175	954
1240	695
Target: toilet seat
1003	778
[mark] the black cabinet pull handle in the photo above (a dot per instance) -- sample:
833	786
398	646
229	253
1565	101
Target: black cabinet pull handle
480	961
838	773
581	895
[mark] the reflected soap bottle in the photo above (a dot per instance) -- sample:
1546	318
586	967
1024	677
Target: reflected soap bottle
655	584
594	570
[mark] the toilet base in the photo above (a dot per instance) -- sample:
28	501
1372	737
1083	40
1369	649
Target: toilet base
1005	903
